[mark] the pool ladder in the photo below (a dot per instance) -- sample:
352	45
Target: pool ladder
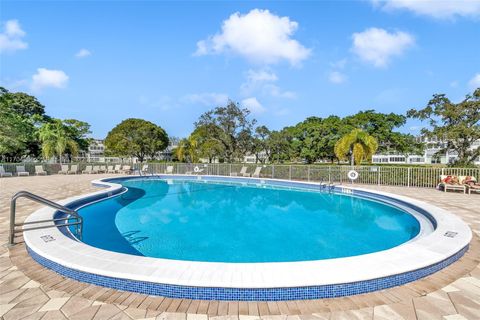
326	187
78	221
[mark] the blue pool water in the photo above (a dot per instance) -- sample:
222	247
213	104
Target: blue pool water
225	222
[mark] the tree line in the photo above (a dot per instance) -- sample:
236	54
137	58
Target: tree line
228	133
27	132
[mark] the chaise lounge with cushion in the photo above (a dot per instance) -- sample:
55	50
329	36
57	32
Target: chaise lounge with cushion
451	182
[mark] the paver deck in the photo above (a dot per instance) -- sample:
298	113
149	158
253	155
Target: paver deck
29	291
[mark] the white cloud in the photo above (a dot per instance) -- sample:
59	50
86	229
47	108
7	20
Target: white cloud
11	37
163	102
259	36
13	84
439	9
339	64
263	81
337	77
474	83
378	46
210	99
45	78
275	91
253	105
261	75
83	53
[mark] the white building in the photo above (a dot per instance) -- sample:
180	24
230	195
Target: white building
430	156
96	153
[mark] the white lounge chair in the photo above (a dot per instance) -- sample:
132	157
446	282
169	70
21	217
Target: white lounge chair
21	171
39	171
73	169
103	169
118	167
64	169
3	173
256	173
169	170
456	185
110	169
88	169
96	169
125	170
242	172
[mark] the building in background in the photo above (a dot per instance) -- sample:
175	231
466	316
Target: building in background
430	155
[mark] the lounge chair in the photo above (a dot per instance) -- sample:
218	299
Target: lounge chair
450	182
110	169
88	169
39	171
73	169
256	173
3	173
243	172
64	169
169	170
118	167
472	184
125	170
96	169
103	169
21	171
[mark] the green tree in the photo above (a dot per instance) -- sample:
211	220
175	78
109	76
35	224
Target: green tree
382	127
231	127
56	138
136	138
260	144
315	138
14	132
458	124
207	146
79	131
358	144
21	115
280	145
26	105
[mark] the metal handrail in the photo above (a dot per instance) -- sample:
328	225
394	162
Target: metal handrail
51	204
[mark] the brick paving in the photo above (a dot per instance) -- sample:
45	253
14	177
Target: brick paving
28	291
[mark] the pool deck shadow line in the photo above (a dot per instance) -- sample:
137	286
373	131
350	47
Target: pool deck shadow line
29	290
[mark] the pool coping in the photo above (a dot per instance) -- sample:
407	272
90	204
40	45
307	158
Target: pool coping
409	261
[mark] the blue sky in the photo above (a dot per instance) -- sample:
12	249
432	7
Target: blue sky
169	62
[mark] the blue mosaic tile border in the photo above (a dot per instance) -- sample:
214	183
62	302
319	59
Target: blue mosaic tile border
247	294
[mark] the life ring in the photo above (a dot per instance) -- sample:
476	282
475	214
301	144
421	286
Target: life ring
352	175
196	169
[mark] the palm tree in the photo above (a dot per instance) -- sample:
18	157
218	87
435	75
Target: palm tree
359	144
55	140
187	150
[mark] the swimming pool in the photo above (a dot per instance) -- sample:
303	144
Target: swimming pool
231	238
216	221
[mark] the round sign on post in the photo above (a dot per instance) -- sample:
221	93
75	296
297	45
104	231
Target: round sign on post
352	175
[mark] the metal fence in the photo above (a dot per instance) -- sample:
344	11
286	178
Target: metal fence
380	175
